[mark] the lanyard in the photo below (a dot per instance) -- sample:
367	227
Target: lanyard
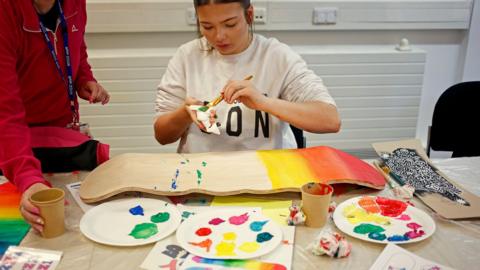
71	91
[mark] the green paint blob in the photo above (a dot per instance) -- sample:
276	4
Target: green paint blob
204	164
144	230
203	108
160	217
199	177
365	228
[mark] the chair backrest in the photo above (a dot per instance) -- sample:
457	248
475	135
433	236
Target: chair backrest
299	138
456	120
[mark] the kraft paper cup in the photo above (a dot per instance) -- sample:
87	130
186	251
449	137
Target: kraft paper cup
50	202
315	201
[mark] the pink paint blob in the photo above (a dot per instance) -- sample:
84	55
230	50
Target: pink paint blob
414	226
404	217
203	231
216	221
238	220
415	234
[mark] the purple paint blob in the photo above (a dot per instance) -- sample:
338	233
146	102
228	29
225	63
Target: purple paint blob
216	221
404	217
264	237
136	211
257	226
414	226
238	220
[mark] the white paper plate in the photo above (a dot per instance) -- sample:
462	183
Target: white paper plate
186	234
111	223
396	227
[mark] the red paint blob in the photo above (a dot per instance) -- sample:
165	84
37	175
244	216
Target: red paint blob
391	208
203	231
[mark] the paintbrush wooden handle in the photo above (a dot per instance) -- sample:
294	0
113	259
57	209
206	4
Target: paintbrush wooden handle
220	97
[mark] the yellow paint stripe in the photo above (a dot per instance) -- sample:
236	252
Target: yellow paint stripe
9	213
286	168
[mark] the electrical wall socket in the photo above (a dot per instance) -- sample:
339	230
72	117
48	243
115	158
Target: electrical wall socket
325	15
260	15
191	16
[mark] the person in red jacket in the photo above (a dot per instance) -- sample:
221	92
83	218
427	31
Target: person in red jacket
43	67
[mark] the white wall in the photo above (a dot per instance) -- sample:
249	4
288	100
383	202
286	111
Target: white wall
442	28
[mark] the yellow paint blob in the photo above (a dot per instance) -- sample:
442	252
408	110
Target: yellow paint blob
355	214
249	247
229	236
225	249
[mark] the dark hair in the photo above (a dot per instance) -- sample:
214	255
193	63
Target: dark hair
244	3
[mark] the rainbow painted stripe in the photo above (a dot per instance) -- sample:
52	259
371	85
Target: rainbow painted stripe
13	227
244	264
294	167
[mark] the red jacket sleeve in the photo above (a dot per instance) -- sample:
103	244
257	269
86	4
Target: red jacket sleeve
84	70
16	157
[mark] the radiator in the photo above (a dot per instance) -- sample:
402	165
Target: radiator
377	90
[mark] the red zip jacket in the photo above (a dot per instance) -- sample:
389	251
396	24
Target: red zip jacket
32	93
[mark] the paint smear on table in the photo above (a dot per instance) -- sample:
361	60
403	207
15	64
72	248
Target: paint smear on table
238	220
160	217
207	243
144	230
242	264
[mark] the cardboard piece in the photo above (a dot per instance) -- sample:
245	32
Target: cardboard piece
315	201
443	206
227	173
50	202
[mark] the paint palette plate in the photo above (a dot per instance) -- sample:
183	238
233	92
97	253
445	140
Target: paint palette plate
121	223
229	234
383	220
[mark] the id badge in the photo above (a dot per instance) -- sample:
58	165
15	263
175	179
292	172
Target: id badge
84	128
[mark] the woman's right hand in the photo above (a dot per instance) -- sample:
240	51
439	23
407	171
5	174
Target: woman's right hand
28	210
193	114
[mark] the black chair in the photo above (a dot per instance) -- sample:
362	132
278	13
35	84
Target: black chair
455	122
299	138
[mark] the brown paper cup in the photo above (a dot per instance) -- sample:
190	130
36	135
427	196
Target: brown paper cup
315	201
50	202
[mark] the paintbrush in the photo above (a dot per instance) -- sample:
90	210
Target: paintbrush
219	99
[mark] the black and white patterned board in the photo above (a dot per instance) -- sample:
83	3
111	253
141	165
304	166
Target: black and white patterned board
414	170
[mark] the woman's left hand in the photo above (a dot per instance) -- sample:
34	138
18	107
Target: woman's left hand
94	92
244	92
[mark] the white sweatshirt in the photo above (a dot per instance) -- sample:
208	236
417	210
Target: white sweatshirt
278	72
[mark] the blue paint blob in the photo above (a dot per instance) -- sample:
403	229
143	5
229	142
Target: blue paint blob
377	236
136	211
264	237
174	184
398	238
257	225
